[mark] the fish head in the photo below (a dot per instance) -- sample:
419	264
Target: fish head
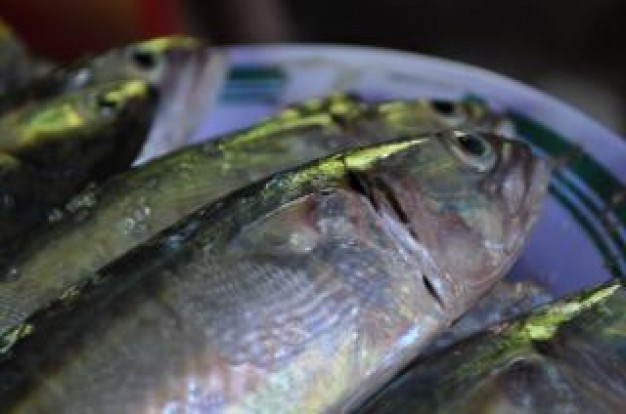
468	200
424	115
73	128
188	75
149	60
157	60
117	119
100	106
183	71
17	66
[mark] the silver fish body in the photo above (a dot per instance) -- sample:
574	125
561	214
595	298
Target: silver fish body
302	293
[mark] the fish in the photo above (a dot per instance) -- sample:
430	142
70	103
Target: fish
52	149
185	72
150	61
303	292
18	66
568	356
104	222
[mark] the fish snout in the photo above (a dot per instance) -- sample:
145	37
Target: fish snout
524	183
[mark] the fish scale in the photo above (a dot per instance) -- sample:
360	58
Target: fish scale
320	301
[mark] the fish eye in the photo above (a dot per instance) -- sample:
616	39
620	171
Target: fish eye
474	150
107	104
473	145
145	60
445	108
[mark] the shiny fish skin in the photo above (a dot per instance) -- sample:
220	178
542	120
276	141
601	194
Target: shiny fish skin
568	357
105	223
318	283
50	150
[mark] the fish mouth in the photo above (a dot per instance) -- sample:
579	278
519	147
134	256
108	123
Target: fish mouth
539	178
191	86
537	174
523	209
524	176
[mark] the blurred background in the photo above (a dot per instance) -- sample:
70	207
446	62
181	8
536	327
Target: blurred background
571	49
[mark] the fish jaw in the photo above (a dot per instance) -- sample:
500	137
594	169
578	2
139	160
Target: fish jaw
524	189
500	221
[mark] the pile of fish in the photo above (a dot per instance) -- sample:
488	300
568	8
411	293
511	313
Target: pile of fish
567	357
298	265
